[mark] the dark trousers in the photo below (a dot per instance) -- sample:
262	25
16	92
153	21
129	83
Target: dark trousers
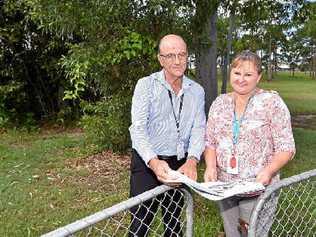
143	179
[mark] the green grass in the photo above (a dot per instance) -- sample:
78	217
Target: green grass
41	188
46	182
299	92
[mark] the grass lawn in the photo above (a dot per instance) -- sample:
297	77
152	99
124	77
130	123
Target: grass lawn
46	183
299	92
52	178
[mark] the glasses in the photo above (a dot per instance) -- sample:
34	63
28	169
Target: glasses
171	57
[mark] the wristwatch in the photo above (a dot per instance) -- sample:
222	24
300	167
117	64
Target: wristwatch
193	158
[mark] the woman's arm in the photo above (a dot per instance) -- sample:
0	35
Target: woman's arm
278	161
210	161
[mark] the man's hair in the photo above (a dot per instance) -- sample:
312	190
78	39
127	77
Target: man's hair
247	55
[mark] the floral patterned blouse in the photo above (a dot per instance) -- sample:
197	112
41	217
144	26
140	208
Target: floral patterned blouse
265	130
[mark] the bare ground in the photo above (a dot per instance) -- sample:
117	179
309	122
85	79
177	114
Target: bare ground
105	171
108	171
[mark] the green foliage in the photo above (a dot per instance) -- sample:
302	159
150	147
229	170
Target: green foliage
8	94
28	58
106	123
107	68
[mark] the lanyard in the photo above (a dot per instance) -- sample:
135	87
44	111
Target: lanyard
232	166
176	118
237	123
236	128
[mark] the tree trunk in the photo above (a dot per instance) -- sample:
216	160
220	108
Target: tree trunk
270	60
224	66
314	61
293	69
207	60
229	49
275	62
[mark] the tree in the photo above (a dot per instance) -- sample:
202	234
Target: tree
232	9
116	44
206	48
308	33
29	64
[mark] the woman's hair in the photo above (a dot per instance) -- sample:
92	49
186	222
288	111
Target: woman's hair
247	55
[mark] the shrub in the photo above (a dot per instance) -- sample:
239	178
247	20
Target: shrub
106	123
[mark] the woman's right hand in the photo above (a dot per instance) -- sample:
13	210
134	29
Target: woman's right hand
210	174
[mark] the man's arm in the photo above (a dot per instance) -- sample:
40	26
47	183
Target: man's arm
139	132
196	142
140	115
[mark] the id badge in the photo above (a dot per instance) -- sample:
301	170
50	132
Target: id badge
232	165
180	150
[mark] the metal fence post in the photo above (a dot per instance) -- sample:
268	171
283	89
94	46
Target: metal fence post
295	213
105	223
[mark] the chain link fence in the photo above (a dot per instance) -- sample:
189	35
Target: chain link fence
287	208
167	211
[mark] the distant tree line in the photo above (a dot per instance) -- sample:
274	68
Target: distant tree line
73	59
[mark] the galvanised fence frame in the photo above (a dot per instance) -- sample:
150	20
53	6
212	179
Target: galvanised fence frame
289	206
116	220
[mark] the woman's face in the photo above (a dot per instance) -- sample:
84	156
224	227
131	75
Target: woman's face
244	78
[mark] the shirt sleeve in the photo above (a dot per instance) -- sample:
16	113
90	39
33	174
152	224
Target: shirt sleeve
281	128
140	116
210	141
197	143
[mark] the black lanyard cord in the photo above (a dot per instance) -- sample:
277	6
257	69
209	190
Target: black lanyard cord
177	119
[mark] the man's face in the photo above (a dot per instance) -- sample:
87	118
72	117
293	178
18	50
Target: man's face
173	57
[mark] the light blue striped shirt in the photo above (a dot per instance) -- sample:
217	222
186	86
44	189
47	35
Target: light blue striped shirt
153	130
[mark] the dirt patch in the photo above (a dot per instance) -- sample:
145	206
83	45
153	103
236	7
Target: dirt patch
307	121
106	163
51	129
105	171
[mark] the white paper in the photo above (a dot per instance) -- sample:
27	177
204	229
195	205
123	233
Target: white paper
216	190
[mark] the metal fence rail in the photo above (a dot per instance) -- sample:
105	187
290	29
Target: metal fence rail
116	220
290	207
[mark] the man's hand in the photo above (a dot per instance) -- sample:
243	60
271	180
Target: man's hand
189	169
210	174
160	168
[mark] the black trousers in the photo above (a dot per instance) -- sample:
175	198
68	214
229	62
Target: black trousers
143	179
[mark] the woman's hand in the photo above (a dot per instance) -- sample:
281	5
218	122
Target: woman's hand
189	169
210	174
264	177
278	161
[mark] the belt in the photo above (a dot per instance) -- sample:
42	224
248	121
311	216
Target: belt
162	157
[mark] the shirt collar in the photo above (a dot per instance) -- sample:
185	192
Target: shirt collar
186	82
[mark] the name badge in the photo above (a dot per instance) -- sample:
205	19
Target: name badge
232	165
180	150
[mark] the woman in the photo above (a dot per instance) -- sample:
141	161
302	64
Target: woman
248	137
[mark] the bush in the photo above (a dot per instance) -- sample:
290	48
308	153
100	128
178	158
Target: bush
106	123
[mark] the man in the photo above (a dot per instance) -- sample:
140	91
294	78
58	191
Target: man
167	132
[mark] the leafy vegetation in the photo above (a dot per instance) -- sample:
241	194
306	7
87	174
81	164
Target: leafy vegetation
57	56
52	177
